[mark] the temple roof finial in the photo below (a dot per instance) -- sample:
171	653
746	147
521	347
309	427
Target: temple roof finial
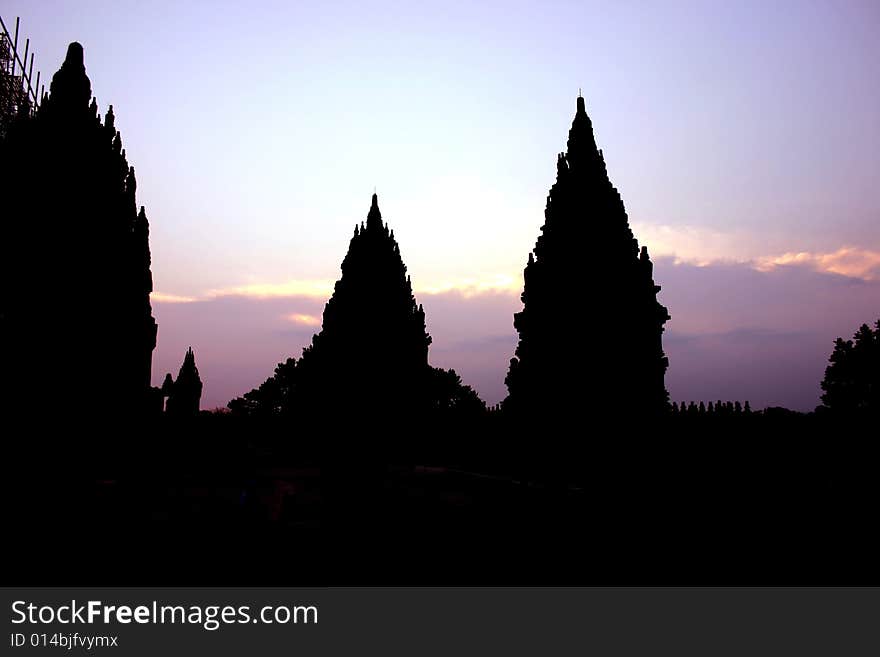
374	217
70	85
74	54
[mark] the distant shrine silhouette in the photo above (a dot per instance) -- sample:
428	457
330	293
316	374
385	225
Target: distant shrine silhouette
76	327
185	392
590	328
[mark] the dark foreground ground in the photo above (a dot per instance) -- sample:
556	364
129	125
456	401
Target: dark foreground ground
789	499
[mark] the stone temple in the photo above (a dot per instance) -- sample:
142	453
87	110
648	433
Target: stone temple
76	327
590	331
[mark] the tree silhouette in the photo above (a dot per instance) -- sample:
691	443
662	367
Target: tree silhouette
852	380
590	328
450	396
274	397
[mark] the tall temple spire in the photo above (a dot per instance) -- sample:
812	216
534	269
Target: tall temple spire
587	264
71	87
374	217
581	149
85	233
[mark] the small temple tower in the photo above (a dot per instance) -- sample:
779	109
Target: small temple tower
590	331
184	393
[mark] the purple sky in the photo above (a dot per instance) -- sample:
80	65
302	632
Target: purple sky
743	138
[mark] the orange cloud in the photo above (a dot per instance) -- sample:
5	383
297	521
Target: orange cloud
159	297
846	261
294	288
695	245
699	246
303	319
471	287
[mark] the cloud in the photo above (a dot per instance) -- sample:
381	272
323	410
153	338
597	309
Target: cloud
695	245
303	319
471	287
159	297
849	261
701	247
292	288
321	290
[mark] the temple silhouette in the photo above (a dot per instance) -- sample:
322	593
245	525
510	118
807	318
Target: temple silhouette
371	355
185	392
590	328
76	325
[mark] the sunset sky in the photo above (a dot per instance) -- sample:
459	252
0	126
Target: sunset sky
744	140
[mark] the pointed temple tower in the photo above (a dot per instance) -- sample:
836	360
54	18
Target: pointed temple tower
185	393
370	358
590	328
76	326
372	351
